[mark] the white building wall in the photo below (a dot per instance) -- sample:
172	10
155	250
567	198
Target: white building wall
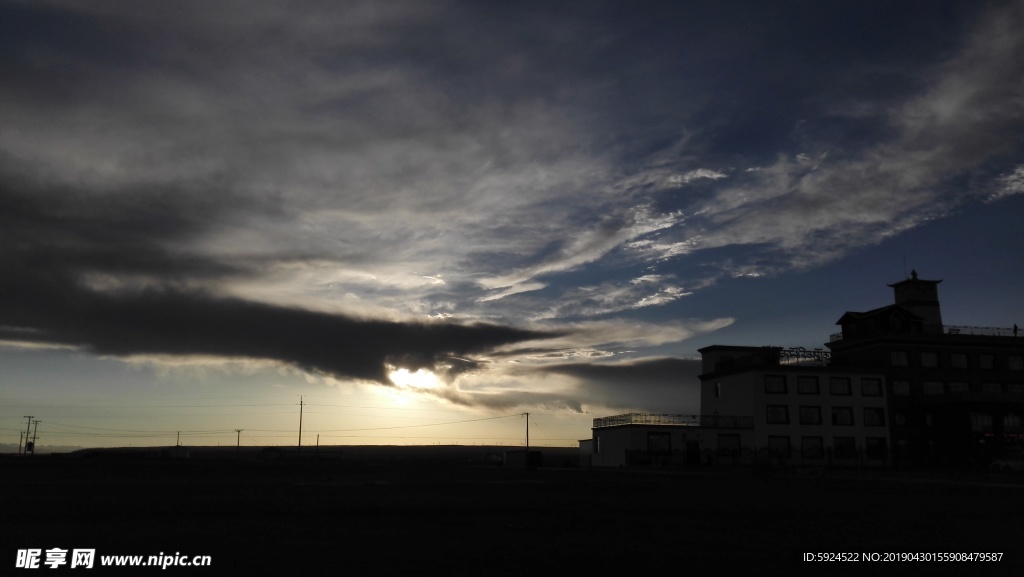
744	394
610	444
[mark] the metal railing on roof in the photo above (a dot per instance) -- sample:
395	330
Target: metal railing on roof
984	331
712	421
957	330
647	419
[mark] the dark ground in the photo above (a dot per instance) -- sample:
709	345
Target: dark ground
413	512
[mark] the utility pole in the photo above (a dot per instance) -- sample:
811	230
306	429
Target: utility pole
35	436
178	442
527	415
316	453
238	442
300	423
28	428
21	437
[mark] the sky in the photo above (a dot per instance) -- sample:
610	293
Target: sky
421	220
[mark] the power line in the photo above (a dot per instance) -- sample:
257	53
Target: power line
424	425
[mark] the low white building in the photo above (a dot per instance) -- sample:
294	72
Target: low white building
640	439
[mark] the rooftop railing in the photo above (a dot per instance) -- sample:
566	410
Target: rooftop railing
713	421
647	419
958	330
984	331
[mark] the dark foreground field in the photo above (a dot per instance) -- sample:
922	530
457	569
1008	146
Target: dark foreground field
457	517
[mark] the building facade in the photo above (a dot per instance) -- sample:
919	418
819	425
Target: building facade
801	410
955	394
895	387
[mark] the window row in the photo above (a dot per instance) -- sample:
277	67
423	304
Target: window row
930	360
875	448
980	422
841	416
809	385
903	388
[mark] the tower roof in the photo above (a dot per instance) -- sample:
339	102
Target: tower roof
914	280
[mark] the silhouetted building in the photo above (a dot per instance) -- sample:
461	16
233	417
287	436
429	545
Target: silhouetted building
896	386
955	394
800	410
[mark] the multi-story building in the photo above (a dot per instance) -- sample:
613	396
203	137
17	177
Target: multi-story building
955	394
802	411
895	386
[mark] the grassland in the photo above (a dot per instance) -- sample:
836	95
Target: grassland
406	511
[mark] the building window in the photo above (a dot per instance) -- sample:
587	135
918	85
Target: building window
981	423
844	448
839	385
597	444
728	445
898	358
659	443
778	447
775	384
778	415
958	361
874	417
1011	423
987	362
810	415
718	390
871	387
901	388
1015	363
875	448
812	447
991	388
929	360
900	418
1015	388
933	388
842	416
959	387
807	385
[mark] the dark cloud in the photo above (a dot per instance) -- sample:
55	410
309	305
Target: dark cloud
104	271
171	322
657	385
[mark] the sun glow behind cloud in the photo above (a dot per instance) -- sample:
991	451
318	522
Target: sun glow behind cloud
421	379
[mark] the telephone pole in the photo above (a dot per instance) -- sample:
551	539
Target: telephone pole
300	423
238	442
35	436
28	429
527	415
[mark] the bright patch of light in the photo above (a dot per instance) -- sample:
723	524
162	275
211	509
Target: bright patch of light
422	379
